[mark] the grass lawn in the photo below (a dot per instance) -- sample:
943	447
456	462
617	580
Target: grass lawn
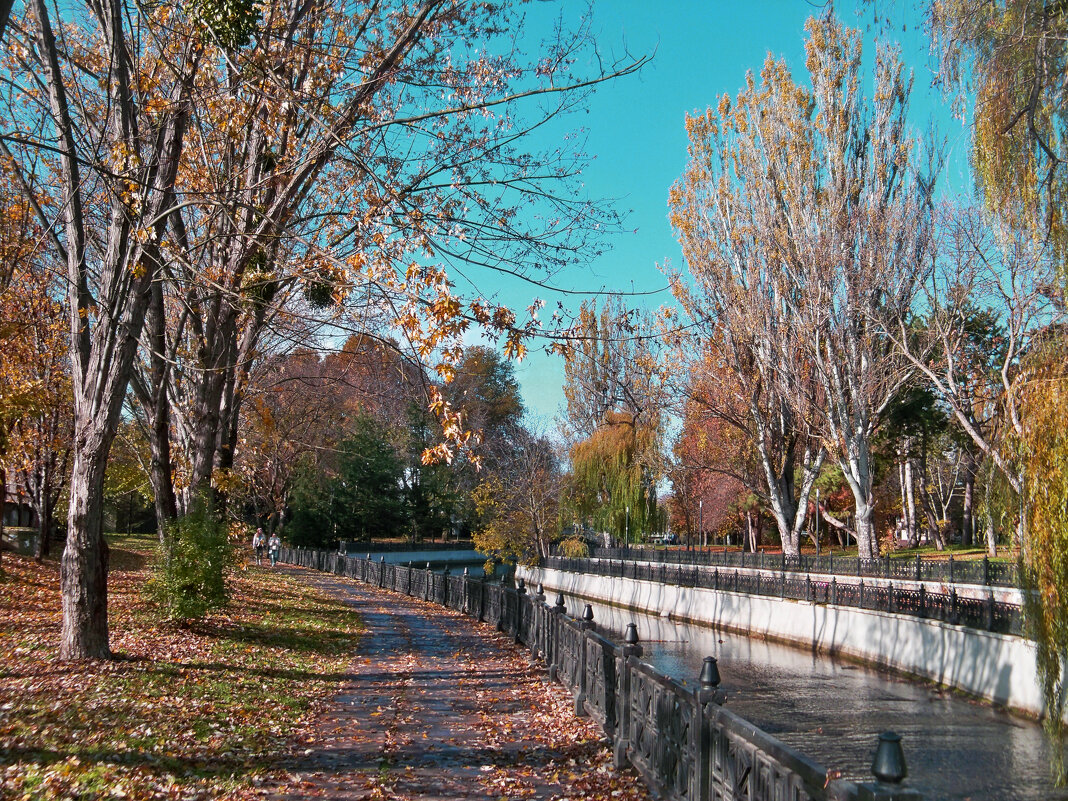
205	712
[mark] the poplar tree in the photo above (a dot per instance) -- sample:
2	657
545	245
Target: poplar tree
805	219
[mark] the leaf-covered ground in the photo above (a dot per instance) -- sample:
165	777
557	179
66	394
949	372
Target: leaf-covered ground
206	712
442	708
308	686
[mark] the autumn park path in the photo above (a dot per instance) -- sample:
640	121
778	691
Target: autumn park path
440	707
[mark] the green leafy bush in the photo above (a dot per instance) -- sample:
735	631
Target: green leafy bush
190	576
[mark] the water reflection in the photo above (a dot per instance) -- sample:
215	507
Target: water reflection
833	710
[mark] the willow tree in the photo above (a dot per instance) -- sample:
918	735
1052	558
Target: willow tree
608	487
1042	450
1011	57
614	383
804	223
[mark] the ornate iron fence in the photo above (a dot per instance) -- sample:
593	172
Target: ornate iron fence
374	548
986	572
984	613
685	744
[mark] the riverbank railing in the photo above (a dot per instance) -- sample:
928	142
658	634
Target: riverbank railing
984	613
682	740
985	572
365	547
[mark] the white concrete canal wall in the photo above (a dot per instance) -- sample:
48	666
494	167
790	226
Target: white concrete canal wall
997	667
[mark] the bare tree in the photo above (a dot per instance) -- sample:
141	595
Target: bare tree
991	294
106	172
804	222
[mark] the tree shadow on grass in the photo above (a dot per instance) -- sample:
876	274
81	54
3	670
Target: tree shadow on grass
446	761
122	559
300	639
289	674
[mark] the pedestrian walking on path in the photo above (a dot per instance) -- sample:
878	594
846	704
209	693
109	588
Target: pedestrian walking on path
438	707
259	542
274	546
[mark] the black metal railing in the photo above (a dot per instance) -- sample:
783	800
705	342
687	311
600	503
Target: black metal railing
984	613
685	744
986	572
364	547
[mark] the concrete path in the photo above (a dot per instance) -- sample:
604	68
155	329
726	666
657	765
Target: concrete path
440	707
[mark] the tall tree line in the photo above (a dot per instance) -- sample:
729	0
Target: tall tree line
214	181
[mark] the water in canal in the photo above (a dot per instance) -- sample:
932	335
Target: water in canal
832	710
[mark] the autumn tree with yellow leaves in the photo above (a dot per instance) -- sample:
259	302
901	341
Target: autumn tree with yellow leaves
805	218
1011	57
192	170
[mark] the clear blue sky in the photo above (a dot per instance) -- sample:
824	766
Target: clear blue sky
635	131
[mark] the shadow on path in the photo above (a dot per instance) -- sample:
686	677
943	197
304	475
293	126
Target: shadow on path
438	707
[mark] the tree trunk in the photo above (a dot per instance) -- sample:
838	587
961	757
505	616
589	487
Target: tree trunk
857	472
867	539
991	537
934	530
910	491
44	522
157	406
3	510
84	567
967	522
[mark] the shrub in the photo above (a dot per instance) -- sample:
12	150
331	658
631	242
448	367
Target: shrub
190	577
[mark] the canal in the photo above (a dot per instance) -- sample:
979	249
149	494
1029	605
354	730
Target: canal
832	710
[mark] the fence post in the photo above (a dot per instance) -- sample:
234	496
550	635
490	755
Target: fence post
888	767
708	693
919	564
951	568
988	603
537	638
631	648
554	624
834	591
986	570
520	591
585	625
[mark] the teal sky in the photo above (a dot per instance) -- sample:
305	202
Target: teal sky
635	135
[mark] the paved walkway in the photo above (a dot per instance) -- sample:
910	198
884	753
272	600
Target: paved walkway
440	707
